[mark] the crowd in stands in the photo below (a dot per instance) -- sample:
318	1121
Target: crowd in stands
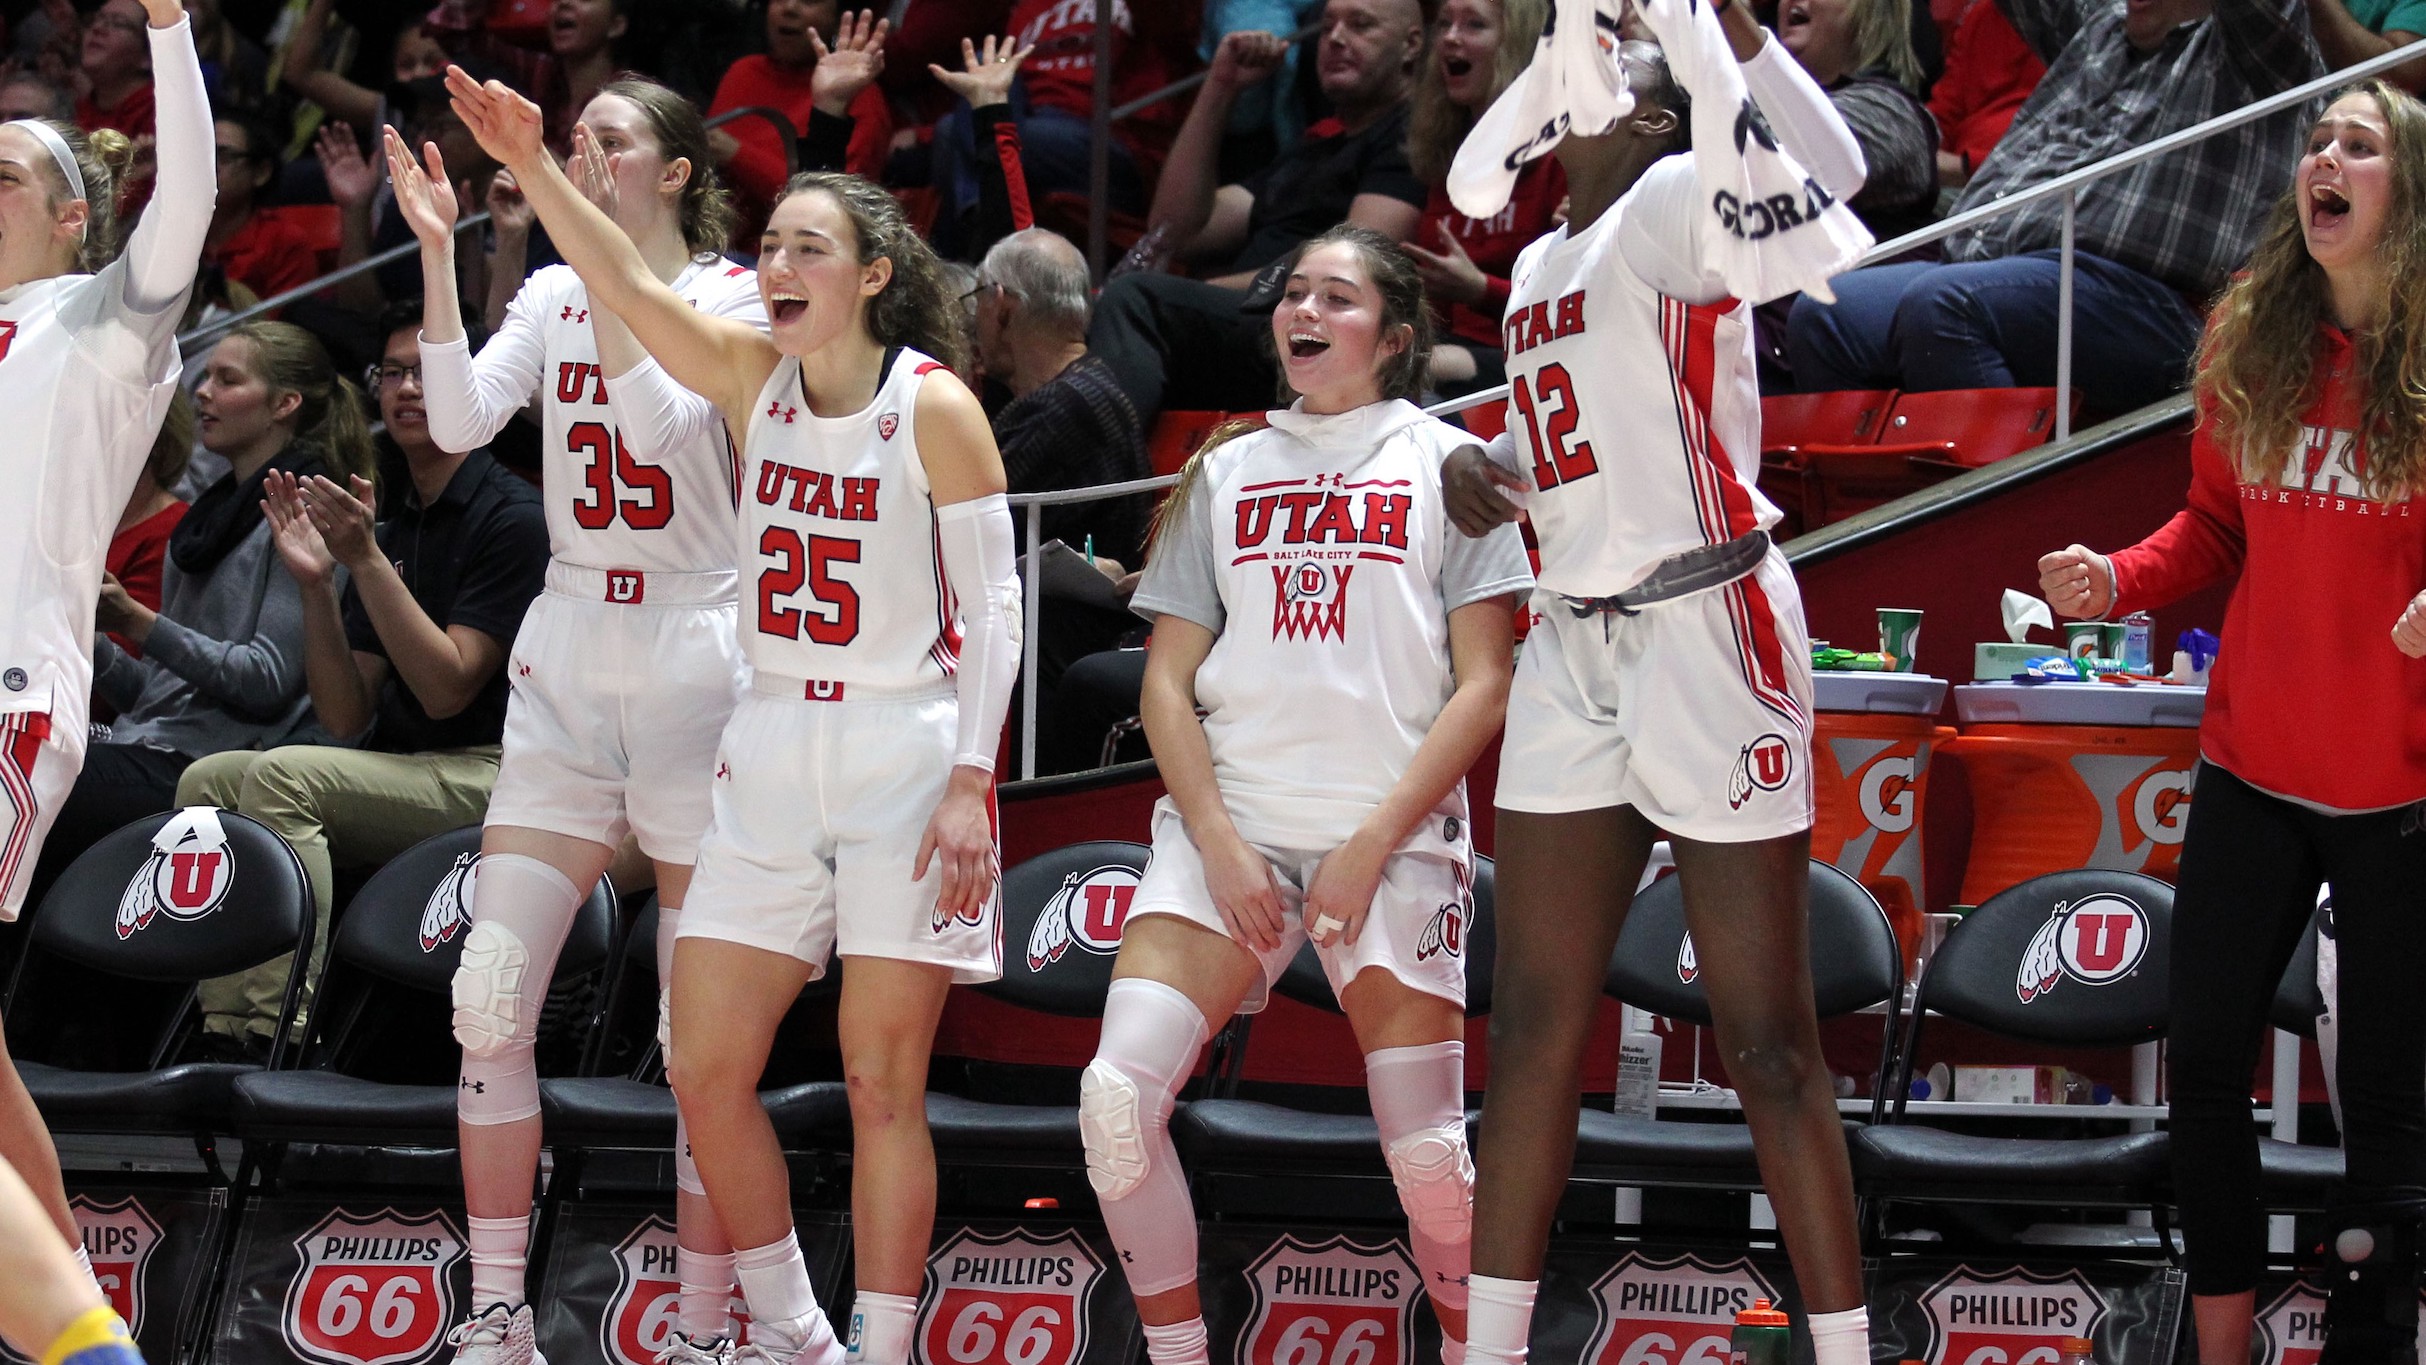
349	690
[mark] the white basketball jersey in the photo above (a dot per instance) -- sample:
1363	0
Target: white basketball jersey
1330	552
607	509
843	581
84	382
1636	412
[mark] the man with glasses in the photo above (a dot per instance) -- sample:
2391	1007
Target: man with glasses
261	250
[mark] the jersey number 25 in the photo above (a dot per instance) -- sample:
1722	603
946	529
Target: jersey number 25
807	562
1560	458
611	473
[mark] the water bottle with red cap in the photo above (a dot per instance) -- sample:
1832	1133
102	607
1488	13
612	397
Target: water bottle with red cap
1762	1336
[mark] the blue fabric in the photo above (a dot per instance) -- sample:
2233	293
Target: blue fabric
1053	154
1992	324
1272	103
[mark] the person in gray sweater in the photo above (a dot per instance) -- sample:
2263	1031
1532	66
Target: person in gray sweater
222	664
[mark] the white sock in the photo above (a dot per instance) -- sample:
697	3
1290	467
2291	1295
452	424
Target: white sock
1452	1351
1499	1319
84	1262
707	1293
1178	1343
500	1253
880	1327
784	1316
1840	1338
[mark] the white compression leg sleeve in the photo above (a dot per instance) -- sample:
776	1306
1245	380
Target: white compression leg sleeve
1499	1320
1840	1338
1419	1102
1151	1035
521	910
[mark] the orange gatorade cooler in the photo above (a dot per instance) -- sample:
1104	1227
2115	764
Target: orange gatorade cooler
1870	749
2067	775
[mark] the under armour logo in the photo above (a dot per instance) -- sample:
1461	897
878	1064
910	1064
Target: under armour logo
1749	125
522	670
775	409
568	315
724	771
476	1087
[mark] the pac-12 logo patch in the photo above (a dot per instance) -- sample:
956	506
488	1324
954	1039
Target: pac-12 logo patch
120	1239
1336	1302
1676	1310
2094	940
2011	1317
1766	764
372	1290
887	424
1011	1298
187	874
14	680
450	904
641	1319
1089	910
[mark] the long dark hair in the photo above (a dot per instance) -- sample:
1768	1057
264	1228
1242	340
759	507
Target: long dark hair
707	207
917	308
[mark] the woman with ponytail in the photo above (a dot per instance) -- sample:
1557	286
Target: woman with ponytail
222	660
620	691
88	365
851	806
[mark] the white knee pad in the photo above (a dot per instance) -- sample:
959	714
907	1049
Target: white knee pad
686	1170
521	910
1435	1177
499	1086
1111	1119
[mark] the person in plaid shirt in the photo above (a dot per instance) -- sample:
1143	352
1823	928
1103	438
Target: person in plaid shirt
2155	242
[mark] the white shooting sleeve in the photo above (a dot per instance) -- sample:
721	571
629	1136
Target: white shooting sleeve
166	246
654	413
469	398
978	563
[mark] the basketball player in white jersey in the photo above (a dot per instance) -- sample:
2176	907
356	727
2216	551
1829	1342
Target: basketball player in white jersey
624	671
853	788
88	363
1351	654
1665	691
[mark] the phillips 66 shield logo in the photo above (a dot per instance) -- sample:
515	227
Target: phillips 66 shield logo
2013	1318
120	1238
373	1289
1011	1298
1331	1303
2094	940
450	904
186	876
1679	1311
641	1319
2293	1327
1089	910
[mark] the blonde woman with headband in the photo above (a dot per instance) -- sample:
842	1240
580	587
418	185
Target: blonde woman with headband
88	364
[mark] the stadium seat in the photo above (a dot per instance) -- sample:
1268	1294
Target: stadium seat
143	916
385	1002
1176	435
1485	421
1232	1136
1063	913
2070	959
1927	438
1855	965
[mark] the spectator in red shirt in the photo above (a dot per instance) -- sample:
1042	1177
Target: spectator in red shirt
139	549
261	251
819	69
116	72
1989	72
2308	480
1478	46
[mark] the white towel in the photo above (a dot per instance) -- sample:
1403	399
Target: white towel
1767	228
1574	83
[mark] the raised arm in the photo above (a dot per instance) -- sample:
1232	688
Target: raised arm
724	361
167	244
469	398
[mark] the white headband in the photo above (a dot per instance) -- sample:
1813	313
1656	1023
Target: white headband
49	137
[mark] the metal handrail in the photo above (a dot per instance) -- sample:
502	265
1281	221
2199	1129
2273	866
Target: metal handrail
218	327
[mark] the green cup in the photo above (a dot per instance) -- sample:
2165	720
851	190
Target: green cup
2110	639
1899	635
2084	639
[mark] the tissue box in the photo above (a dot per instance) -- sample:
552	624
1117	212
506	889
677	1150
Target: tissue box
2000	661
2010	1084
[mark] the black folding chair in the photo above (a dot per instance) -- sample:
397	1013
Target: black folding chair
1856	964
2298	1176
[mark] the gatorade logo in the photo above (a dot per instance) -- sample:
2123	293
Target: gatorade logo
2095	940
2161	806
1886	792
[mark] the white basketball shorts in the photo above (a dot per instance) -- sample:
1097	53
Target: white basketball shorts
818	807
39	759
1694	711
617	707
1416	930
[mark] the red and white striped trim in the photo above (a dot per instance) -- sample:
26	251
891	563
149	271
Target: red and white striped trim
21	736
1689	332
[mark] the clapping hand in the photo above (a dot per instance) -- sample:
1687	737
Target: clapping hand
508	127
423	194
351	178
851	65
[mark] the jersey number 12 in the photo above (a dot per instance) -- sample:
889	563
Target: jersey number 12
1560	458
